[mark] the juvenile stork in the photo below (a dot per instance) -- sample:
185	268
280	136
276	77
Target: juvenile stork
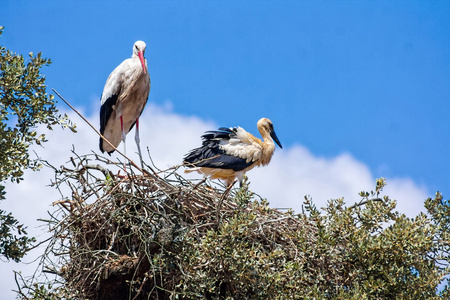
123	100
229	153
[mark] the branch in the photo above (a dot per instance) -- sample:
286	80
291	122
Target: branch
364	202
38	244
219	205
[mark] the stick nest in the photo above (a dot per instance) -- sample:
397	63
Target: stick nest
161	237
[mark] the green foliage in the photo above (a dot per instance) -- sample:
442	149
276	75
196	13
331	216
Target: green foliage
12	246
240	257
24	104
376	252
365	251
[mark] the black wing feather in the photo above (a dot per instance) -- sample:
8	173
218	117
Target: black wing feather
222	134
211	156
105	112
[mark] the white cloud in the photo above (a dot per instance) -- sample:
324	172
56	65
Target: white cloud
296	172
409	195
293	173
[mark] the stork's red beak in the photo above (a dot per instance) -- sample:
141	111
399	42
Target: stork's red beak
141	57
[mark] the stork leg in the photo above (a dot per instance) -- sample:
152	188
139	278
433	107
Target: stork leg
230	182
240	178
136	138
124	144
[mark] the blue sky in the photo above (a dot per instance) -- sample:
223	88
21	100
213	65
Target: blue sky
367	78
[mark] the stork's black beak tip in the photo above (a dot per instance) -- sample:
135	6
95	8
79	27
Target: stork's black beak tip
275	138
279	144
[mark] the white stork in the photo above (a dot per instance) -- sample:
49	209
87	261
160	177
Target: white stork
123	100
230	152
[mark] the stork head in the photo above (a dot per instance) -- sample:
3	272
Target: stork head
265	127
139	50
